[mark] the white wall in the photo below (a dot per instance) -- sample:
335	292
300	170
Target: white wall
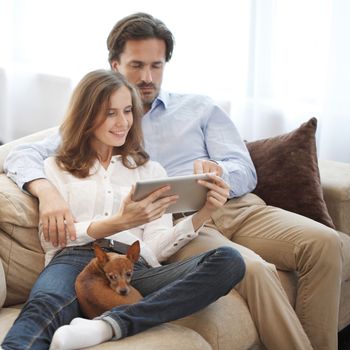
277	62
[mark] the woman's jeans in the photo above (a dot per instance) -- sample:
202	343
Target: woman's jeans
170	292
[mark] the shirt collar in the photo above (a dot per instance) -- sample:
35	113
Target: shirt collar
115	159
161	99
164	97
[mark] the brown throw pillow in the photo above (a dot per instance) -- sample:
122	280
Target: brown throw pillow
288	175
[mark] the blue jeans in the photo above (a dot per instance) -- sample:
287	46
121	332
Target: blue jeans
170	292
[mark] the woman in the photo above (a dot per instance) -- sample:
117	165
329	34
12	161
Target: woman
99	160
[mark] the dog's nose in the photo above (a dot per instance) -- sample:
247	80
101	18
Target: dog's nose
123	291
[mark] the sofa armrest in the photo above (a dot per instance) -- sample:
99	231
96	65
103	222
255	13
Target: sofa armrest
335	180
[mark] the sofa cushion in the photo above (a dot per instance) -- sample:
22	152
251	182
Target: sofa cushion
166	336
20	249
288	174
226	323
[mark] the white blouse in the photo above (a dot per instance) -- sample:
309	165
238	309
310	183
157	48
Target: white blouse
99	196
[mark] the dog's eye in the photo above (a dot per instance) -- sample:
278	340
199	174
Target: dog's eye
113	277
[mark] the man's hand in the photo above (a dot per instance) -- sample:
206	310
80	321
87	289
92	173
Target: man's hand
201	166
218	193
55	216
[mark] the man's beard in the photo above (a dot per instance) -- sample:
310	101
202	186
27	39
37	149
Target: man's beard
150	94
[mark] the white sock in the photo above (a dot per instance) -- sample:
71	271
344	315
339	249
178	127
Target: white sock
81	333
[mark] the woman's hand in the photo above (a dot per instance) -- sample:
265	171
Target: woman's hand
132	214
148	209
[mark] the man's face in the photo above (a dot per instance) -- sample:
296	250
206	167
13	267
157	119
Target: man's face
142	63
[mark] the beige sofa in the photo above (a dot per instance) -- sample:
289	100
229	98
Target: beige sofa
226	324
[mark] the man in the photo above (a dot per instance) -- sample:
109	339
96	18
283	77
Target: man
186	131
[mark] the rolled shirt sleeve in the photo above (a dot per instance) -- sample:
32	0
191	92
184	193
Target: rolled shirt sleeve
25	162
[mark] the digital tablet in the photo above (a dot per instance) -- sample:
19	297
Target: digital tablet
192	196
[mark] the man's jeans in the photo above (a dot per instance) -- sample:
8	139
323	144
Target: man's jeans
170	292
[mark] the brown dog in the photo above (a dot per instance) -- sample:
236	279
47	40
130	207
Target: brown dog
105	281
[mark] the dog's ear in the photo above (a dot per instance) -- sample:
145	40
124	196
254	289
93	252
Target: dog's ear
102	257
133	252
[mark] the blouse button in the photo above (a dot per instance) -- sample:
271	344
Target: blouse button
106	214
109	191
175	244
189	236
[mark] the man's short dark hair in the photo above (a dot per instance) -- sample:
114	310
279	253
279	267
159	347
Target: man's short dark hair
138	26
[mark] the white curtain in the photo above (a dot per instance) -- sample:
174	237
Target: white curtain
299	68
277	63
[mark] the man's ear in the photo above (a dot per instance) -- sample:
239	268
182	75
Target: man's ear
115	65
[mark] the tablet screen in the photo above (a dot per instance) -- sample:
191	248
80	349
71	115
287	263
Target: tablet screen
192	196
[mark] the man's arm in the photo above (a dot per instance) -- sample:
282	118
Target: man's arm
25	166
226	148
25	162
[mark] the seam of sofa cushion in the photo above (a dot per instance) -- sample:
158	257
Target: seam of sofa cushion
3	284
12	203
10	234
7	260
19	211
217	337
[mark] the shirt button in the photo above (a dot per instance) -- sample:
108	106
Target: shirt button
112	161
106	214
189	236
109	191
175	244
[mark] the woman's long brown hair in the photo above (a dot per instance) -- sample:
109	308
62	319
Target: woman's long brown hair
92	95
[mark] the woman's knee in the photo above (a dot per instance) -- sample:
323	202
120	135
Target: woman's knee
232	262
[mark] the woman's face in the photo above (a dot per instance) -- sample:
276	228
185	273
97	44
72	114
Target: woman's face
119	118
